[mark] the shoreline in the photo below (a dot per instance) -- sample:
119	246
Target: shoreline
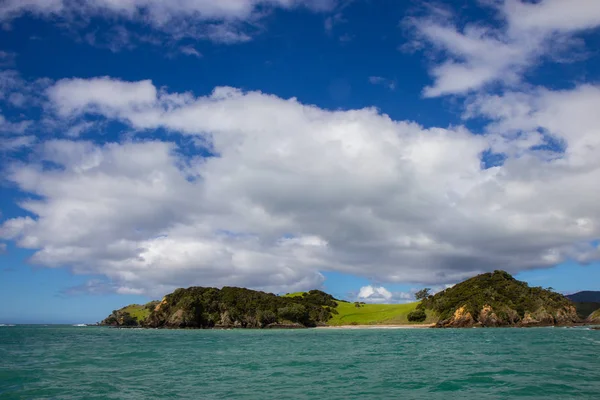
382	326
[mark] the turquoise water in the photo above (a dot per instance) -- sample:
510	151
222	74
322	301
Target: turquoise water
103	363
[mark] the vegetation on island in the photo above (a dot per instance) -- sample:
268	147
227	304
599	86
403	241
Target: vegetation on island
492	299
131	315
230	307
498	299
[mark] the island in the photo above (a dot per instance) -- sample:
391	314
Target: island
493	299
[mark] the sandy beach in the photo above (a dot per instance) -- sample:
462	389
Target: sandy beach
414	326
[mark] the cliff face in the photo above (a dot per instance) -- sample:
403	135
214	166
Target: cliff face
497	299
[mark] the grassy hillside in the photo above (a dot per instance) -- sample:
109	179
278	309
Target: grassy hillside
138	311
295	294
370	314
373	314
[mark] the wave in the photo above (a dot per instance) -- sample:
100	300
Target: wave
6	325
79	325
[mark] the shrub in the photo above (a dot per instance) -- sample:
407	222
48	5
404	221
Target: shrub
417	316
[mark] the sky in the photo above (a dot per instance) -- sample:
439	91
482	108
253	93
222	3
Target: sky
368	148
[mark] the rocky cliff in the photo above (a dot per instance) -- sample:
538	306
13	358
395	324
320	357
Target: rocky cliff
497	299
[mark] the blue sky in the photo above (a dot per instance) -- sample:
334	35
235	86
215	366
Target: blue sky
290	145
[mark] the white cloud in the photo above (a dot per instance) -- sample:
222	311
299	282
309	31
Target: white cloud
18	92
478	55
190	51
295	189
379	294
16	143
220	21
379	80
13	127
79	128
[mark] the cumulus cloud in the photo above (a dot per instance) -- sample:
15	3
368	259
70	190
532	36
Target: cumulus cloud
291	189
220	21
477	54
379	294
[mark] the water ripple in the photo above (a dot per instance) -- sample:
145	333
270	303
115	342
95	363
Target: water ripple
102	363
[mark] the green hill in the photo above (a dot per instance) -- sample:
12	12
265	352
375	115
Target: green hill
374	314
498	299
199	307
295	294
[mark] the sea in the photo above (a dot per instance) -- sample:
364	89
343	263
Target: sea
88	362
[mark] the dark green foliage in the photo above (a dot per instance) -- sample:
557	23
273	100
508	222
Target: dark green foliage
128	320
585	309
199	307
422	294
151	305
508	297
120	318
417	315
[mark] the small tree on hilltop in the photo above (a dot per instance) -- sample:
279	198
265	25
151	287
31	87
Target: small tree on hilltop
422	294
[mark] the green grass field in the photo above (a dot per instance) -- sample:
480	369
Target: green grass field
374	314
295	294
137	311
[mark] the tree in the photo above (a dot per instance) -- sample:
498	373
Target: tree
417	316
422	294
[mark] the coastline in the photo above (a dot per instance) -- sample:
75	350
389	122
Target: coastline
382	326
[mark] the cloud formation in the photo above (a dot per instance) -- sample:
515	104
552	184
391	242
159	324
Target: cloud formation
379	80
224	21
476	55
291	189
379	294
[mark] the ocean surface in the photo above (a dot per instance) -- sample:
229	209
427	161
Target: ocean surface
66	362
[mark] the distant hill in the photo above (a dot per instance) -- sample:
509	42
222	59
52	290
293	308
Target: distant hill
498	299
586	296
586	302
